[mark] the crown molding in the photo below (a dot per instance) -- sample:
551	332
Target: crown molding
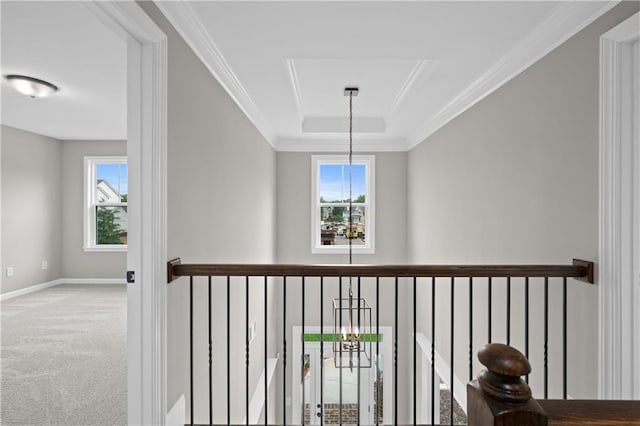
566	21
340	145
295	86
182	16
422	68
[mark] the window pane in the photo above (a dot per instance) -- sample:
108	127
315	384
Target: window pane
334	183
334	226
111	225
111	183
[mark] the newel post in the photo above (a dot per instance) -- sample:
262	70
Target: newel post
499	396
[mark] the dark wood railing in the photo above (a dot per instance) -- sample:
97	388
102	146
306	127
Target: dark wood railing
580	270
500	397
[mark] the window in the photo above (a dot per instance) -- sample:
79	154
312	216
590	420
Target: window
330	230
105	217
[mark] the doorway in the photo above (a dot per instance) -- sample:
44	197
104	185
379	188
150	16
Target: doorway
147	245
619	199
323	393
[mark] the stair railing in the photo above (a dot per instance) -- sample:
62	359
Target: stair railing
425	275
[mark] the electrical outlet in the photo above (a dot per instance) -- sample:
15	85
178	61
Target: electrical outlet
10	271
44	264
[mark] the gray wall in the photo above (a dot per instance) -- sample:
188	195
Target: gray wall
294	246
42	174
221	208
294	210
76	263
31	208
515	180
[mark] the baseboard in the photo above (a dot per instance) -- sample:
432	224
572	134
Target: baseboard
176	416
93	281
443	371
27	290
42	286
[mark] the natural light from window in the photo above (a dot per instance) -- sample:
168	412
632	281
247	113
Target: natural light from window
332	229
106	192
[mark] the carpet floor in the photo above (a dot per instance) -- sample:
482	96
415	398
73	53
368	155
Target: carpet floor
63	357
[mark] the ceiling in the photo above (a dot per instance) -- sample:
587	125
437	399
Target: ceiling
418	64
64	43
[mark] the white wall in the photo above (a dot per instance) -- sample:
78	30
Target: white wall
221	208
515	180
76	263
31	208
294	246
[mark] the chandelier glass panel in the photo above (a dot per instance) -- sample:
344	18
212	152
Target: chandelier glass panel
352	331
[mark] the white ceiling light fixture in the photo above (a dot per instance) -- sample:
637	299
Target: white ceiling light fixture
30	86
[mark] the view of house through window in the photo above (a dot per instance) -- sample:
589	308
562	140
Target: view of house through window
336	185
106	214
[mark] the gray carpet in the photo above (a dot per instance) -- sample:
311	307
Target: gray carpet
63	357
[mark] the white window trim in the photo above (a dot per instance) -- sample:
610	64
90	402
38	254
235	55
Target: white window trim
89	207
369	161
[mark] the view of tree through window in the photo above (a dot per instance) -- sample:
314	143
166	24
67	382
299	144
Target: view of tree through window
334	192
111	203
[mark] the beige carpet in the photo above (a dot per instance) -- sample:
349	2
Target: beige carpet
63	357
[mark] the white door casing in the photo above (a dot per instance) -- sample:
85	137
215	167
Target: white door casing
146	255
619	208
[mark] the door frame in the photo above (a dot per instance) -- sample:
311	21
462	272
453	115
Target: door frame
296	376
147	247
619	214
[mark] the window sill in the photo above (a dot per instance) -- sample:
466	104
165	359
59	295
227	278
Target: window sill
342	250
122	248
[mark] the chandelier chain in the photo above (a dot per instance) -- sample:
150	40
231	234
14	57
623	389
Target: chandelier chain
350	181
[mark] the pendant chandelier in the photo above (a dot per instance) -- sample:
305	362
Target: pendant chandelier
352	342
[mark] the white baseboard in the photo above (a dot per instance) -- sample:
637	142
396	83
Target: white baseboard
176	416
443	371
42	286
93	281
27	290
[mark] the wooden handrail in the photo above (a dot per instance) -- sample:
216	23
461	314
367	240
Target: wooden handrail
580	269
591	412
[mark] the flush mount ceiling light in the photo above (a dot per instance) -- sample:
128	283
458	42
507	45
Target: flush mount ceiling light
32	87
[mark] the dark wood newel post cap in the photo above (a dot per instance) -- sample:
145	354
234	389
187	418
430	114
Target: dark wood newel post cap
501	381
503	359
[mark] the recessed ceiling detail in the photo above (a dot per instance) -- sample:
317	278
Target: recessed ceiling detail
382	83
418	64
341	125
